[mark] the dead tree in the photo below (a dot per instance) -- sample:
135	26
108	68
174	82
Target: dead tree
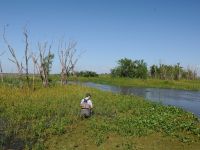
27	56
66	56
45	62
14	58
34	60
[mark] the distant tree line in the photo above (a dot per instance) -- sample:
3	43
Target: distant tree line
87	74
172	72
138	69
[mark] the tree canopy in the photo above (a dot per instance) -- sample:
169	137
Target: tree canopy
130	68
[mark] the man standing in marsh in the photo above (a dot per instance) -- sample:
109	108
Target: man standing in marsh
86	106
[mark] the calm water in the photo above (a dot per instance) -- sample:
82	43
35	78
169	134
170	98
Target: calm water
188	100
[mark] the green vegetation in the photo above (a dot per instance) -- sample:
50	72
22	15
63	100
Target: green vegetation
172	72
48	118
138	69
87	74
153	83
129	68
107	79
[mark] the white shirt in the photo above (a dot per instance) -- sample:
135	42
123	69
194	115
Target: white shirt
89	102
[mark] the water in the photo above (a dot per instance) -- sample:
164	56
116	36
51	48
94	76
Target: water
188	100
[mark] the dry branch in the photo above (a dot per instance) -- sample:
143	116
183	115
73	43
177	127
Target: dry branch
12	52
45	62
66	56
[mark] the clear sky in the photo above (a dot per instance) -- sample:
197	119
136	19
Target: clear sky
166	31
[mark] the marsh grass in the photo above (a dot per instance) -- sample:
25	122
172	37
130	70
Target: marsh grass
29	119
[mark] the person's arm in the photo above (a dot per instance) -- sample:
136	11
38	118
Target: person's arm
90	103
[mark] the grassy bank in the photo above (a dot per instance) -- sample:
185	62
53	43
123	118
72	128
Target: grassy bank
106	79
153	83
48	118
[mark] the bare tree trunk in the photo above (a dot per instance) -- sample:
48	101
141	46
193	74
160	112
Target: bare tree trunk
45	62
34	59
45	82
1	70
42	49
67	61
26	56
63	78
33	76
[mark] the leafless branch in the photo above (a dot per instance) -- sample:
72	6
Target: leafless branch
66	53
27	57
12	52
44	61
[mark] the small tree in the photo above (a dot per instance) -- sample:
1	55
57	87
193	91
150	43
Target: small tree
178	70
154	71
45	62
129	68
141	69
66	56
125	68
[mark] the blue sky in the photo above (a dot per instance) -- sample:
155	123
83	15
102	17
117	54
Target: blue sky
166	31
